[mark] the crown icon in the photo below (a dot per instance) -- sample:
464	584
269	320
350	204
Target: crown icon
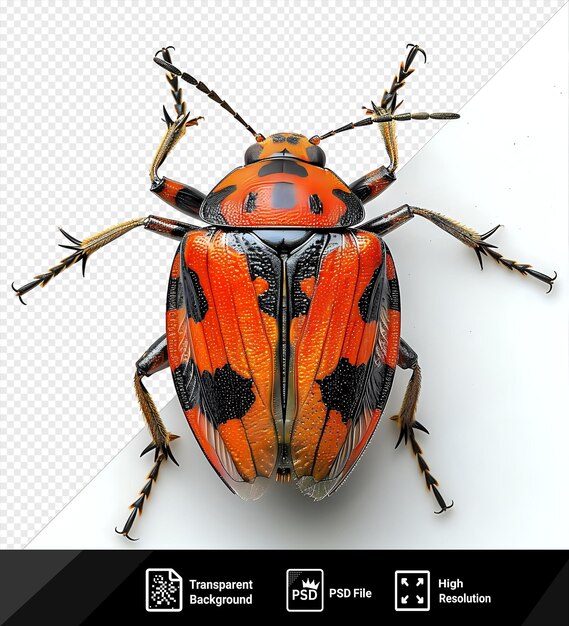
310	584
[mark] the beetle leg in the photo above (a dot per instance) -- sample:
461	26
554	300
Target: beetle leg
393	219
371	185
82	250
408	424
152	361
180	196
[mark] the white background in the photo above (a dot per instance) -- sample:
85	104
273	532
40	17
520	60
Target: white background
492	346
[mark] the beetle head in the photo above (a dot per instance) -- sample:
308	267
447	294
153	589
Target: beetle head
282	145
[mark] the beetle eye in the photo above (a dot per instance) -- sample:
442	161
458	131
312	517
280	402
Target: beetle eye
252	153
316	155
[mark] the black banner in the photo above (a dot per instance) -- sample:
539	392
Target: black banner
401	587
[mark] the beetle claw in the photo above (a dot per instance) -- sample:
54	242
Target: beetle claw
490	232
125	534
445	508
402	433
70	237
439	498
163	50
548	291
417	49
420	426
478	250
148	448
163	449
169	121
482	247
18	294
485	244
168	453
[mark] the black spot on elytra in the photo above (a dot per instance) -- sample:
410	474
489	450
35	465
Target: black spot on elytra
315	204
283	196
283	166
370	299
394	290
293	139
306	264
253	153
342	389
278	138
175	297
394	295
196	302
186	381
226	395
388	375
262	263
354	208
251	202
211	208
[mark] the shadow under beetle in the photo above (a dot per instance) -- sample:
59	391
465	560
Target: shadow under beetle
282	313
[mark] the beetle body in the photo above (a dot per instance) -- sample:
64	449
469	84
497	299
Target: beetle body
272	331
272	352
283	312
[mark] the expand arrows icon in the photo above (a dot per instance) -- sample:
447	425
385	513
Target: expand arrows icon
412	590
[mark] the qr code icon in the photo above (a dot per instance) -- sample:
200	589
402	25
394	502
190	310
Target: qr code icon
163	590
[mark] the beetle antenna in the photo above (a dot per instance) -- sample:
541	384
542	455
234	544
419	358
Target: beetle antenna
174	71
381	119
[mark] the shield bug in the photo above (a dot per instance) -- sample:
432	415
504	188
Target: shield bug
283	310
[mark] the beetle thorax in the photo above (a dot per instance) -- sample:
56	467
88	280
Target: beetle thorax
283	184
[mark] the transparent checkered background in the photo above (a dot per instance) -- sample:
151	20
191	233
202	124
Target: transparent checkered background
81	106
